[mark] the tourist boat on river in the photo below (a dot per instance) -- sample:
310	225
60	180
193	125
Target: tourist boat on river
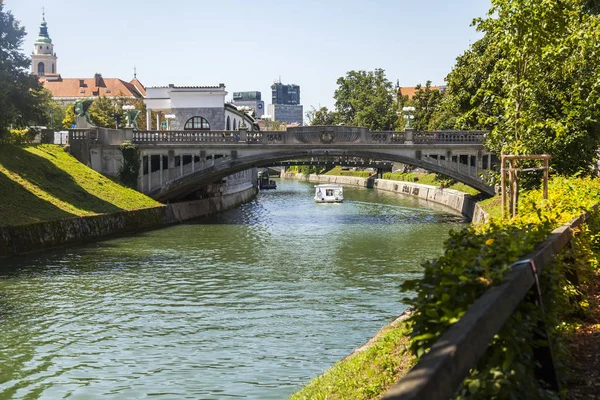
329	193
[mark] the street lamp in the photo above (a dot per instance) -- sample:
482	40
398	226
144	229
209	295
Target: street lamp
408	117
169	117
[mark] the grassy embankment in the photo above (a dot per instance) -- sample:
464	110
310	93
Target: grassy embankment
43	182
415	177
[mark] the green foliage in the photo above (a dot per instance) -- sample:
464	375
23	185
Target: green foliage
129	171
103	111
20	136
477	258
340	172
365	99
322	116
306	169
43	182
21	95
426	102
365	374
69	118
532	80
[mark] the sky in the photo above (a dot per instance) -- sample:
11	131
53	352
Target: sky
248	46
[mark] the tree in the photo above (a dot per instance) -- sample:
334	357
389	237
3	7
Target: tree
365	99
69	118
322	116
21	96
103	111
532	80
426	102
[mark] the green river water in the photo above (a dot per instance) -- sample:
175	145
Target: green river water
251	303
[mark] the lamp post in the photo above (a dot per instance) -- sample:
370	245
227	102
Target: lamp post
169	117
408	116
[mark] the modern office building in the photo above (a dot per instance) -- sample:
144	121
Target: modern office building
285	94
290	114
286	104
251	100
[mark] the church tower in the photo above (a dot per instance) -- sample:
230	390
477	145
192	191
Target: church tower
43	58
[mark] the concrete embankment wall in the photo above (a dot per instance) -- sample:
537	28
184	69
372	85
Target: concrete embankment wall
29	238
455	200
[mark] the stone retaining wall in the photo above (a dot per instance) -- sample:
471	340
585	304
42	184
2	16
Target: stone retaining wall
455	200
29	238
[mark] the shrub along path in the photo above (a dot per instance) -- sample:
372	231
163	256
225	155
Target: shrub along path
43	182
584	346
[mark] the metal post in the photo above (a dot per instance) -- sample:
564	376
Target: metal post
513	188
546	166
503	183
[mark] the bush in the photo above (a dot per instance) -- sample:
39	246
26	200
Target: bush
21	136
478	257
129	171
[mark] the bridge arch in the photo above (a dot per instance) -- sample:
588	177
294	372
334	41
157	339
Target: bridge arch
184	185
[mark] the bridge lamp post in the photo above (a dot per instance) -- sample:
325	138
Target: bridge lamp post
169	117
408	115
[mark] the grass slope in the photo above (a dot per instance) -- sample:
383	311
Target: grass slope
43	182
365	374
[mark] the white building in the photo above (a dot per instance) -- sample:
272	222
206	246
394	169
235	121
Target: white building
194	108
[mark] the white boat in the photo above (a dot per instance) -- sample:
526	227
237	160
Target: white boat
329	193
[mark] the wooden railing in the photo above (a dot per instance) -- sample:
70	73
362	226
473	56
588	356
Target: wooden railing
439	373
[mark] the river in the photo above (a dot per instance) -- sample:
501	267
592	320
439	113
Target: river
251	303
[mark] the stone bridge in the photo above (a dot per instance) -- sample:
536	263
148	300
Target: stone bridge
177	163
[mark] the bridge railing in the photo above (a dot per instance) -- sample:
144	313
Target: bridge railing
83	134
456	137
391	137
439	373
185	136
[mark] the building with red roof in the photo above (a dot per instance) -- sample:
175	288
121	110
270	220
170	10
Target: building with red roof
68	90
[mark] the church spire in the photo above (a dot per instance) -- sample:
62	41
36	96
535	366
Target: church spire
43	36
43	58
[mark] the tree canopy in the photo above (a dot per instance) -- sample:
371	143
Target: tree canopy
365	98
532	80
21	95
322	116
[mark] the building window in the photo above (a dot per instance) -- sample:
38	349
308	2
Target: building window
228	124
197	123
41	67
53	70
234	124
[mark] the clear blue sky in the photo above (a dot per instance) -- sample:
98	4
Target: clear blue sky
248	45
